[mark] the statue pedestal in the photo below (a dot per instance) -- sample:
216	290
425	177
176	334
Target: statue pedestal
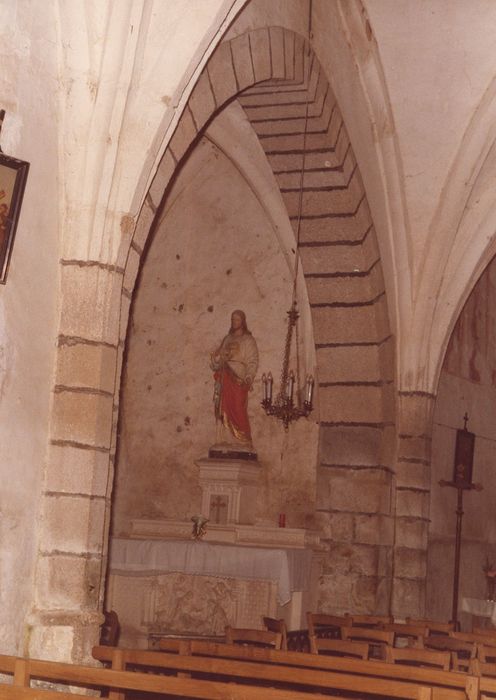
229	489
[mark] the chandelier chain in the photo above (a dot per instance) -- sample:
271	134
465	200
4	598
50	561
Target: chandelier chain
284	407
292	316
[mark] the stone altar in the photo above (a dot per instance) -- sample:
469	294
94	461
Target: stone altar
162	582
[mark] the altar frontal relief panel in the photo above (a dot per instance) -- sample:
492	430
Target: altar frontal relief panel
220	246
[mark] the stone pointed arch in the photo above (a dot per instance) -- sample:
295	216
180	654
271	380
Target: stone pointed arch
464	244
272	74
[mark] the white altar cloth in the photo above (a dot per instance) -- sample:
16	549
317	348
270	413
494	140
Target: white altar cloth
480	608
289	568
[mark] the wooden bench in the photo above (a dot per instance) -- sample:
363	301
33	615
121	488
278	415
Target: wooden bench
409	635
377	639
26	670
486	653
314	680
461	651
435	626
369	620
419	657
487	687
338	647
247	637
324	625
445	684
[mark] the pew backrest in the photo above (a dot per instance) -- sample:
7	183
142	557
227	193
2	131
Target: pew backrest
245	636
434	626
486	653
447	685
410	634
25	670
339	647
370	620
377	639
323	625
419	657
272	673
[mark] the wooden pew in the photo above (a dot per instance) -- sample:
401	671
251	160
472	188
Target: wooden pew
25	670
411	635
446	685
377	639
435	626
486	653
247	637
461	651
324	625
487	687
460	683
369	620
313	679
338	647
482	668
419	657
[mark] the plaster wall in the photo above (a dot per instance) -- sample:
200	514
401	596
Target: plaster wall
215	250
468	383
433	114
127	74
28	301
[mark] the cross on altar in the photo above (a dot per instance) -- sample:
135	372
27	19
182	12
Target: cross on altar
217	503
462	481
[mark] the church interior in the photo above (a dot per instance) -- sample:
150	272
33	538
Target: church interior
197	170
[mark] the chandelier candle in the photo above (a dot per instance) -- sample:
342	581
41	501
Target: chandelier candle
309	389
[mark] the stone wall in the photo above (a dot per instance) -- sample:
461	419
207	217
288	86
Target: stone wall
28	302
467	383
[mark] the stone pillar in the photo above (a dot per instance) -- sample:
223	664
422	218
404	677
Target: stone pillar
70	574
412	496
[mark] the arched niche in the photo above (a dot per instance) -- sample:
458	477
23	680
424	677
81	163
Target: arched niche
215	248
271	70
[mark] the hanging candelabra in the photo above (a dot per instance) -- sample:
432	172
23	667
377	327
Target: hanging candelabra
285	408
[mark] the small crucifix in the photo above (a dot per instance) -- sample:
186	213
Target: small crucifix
217	503
462	481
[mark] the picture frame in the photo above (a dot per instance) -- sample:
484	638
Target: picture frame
13	177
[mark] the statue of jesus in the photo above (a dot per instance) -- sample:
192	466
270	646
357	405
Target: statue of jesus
235	363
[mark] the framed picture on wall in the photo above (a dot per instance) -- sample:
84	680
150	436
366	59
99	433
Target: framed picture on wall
13	176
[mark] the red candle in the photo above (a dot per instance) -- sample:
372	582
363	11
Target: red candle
282	519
